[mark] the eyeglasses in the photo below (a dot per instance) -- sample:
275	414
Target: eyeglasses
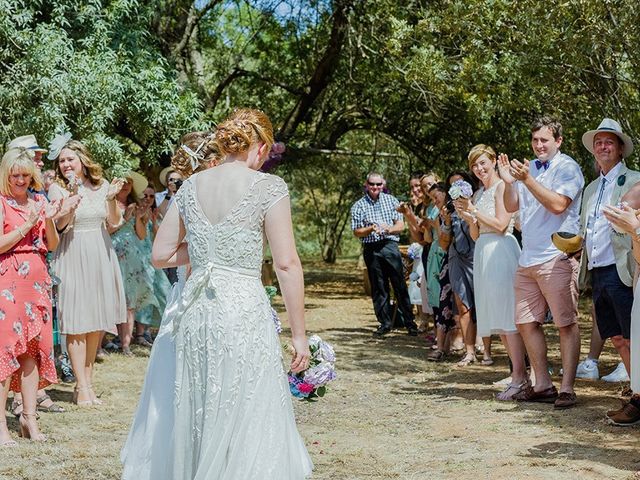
375	184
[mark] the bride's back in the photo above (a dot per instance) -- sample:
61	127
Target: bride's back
220	189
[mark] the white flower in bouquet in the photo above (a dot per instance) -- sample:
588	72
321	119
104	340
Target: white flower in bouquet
460	188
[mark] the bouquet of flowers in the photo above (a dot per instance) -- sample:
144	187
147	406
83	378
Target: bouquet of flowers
460	188
414	251
271	292
311	383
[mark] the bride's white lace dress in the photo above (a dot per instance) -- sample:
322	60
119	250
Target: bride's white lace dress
233	411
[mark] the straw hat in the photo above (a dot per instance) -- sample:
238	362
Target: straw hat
608	126
566	242
27	141
139	183
163	174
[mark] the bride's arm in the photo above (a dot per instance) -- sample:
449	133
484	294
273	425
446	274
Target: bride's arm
169	248
279	231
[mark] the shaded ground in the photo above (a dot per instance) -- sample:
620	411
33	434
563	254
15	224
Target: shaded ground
391	414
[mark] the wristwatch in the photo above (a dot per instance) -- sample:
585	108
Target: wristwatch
167	196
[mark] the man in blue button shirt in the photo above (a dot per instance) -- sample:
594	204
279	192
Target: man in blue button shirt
377	223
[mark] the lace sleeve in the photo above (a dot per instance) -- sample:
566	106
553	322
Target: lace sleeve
276	190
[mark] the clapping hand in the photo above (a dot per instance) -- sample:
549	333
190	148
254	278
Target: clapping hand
143	213
52	209
504	168
114	188
519	170
69	205
625	218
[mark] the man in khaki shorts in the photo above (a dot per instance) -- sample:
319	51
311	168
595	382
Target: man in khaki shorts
547	192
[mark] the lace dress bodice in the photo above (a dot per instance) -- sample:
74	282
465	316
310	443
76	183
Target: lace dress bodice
92	209
486	203
236	242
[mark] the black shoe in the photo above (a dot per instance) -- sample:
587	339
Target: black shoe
381	331
412	331
68	379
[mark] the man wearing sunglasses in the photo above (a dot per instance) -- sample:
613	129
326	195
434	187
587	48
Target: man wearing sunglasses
377	223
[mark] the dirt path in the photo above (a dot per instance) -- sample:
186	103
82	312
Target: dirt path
391	414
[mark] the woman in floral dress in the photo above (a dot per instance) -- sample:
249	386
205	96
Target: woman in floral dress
26	335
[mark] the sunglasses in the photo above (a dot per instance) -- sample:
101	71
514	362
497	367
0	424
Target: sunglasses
149	196
375	184
173	180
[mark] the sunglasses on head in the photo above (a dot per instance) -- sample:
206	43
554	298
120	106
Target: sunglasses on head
375	184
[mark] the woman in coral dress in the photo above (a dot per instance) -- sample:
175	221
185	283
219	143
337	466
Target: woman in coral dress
26	334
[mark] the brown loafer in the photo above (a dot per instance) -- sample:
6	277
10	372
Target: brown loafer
530	395
565	400
612	413
630	415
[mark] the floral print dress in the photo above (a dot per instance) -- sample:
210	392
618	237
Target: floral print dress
25	298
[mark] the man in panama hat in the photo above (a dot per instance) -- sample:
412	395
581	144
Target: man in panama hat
607	261
30	143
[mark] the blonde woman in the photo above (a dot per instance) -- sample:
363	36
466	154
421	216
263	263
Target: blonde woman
91	295
495	262
26	335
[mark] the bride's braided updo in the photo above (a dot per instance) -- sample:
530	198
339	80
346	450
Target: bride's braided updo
201	152
243	129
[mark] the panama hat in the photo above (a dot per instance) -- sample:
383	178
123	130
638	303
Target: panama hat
26	141
163	174
566	242
609	126
139	183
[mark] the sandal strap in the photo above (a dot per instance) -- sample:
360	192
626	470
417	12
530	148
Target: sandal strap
43	398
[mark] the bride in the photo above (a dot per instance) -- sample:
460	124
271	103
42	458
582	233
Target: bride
232	411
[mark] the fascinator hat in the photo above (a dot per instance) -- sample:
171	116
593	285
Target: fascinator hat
57	144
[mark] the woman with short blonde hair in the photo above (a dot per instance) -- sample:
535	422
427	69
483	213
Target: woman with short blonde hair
495	262
26	334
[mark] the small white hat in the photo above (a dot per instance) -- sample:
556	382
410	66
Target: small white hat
609	126
27	141
163	174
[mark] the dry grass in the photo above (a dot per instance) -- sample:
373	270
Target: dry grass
391	415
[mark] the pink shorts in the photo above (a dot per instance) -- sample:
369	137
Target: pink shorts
553	284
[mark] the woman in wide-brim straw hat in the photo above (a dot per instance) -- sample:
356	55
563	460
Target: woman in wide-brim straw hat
91	294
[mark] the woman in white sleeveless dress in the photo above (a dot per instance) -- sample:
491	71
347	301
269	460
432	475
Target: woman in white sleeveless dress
148	451
495	262
233	410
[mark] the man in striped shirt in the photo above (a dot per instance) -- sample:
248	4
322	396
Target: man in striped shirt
377	223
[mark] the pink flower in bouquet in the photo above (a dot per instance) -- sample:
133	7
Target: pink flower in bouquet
305	387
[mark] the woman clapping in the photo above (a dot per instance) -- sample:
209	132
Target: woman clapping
26	335
91	295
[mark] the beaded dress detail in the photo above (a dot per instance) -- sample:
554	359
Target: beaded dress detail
233	410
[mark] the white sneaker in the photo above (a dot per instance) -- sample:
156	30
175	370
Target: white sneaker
618	375
588	370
